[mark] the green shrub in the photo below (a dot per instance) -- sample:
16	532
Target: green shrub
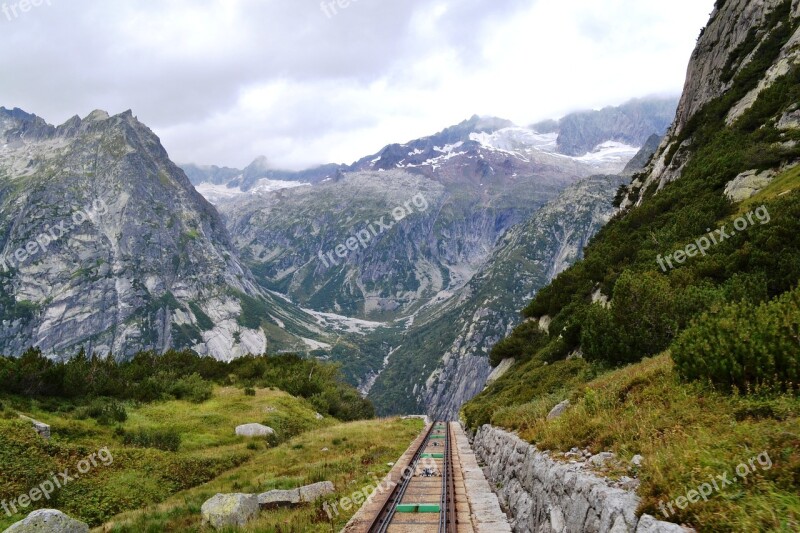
249	391
743	346
193	388
528	338
168	440
106	411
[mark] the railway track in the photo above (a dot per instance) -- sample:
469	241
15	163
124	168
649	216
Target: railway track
424	500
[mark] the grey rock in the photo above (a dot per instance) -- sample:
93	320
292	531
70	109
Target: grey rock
730	25
39	427
637	460
315	491
558	410
526	260
648	524
230	510
628	483
279	498
601	459
48	521
254	430
790	121
748	184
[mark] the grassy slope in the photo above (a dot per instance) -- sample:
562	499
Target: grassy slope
687	432
139	477
358	452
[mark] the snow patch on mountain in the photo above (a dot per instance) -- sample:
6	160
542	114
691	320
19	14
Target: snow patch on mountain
609	152
513	139
217	193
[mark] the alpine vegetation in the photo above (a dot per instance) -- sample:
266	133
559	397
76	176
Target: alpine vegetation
703	244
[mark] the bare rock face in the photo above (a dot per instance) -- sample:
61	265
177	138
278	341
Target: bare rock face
230	510
105	245
48	521
725	47
487	308
727	29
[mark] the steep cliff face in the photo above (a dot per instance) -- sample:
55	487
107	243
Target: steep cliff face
745	48
443	359
107	246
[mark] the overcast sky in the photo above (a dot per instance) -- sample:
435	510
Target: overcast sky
223	81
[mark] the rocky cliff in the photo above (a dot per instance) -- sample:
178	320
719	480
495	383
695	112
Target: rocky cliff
460	332
746	47
107	246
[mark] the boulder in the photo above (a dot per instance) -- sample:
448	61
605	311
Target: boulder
648	524
279	498
600	460
789	121
39	427
230	510
748	184
558	410
312	493
48	521
254	430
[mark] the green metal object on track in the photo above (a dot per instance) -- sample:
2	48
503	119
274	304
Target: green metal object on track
418	508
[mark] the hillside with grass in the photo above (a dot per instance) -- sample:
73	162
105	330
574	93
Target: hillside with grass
134	434
677	337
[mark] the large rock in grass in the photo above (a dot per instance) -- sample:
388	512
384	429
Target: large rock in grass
230	510
292	498
312	493
279	498
648	524
48	521
748	184
558	410
254	430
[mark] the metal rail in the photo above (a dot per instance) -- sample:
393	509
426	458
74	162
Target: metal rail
384	517
448	522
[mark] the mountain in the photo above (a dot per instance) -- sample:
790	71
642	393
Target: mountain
106	245
725	174
631	123
220	183
346	263
478	179
428	277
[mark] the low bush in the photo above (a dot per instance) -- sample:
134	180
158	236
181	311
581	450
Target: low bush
106	411
743	346
167	440
192	388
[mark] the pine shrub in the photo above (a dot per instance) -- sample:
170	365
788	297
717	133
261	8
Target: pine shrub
744	346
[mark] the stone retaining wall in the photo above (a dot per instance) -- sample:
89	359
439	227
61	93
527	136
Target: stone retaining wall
543	495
